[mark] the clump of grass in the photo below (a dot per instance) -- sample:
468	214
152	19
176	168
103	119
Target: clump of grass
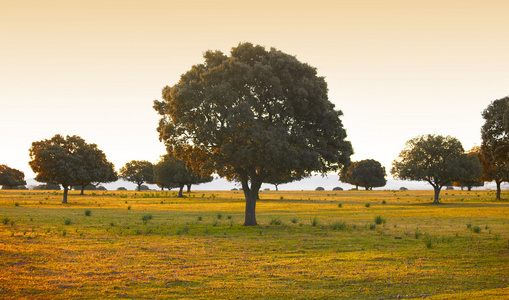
476	229
146	218
417	233
229	217
200	218
112	224
16	204
294	220
67	221
314	222
281	198
372	226
88	212
367	204
129	207
340	205
64	233
339	225
428	241
219	216
379	220
275	222
384	202
469	225
183	230
5	221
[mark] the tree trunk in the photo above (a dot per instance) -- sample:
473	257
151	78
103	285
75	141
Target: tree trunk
498	189
469	188
82	190
189	188
437	193
180	191
139	186
251	195
276	187
66	188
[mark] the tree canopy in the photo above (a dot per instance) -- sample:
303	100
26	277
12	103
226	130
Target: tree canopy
431	158
251	116
171	172
367	173
138	172
494	154
69	161
11	178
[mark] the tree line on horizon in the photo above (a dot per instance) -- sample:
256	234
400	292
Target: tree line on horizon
261	116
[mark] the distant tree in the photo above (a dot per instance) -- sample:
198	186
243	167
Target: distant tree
95	167
198	178
11	178
472	171
337	188
172	172
319	189
55	161
367	173
431	158
494	154
121	188
48	186
70	162
138	171
252	116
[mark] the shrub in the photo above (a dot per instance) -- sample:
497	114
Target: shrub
129	207
383	202
417	233
372	226
476	229
200	218
338	225
340	205
367	204
219	215
229	217
319	189
294	220
5	221
67	221
314	222
379	220
146	218
88	212
428	241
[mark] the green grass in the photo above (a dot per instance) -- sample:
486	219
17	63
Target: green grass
313	250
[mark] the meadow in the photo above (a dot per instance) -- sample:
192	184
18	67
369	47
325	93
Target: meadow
308	245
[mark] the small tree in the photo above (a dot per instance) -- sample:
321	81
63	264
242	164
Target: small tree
367	173
11	178
494	154
253	116
95	167
431	158
138	172
472	171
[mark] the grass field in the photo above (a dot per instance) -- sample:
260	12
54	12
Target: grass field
309	245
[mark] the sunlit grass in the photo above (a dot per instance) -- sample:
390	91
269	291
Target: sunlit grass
306	246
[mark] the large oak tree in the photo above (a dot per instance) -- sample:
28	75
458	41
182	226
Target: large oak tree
251	116
494	154
431	158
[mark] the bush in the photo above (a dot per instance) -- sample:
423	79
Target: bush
367	204
314	222
337	188
146	218
88	212
67	221
121	189
379	220
340	205
319	189
476	229
294	220
219	215
338	225
403	189
384	202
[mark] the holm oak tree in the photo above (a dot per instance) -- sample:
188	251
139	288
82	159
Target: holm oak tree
252	116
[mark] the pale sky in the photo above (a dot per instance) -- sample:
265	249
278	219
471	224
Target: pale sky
396	68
